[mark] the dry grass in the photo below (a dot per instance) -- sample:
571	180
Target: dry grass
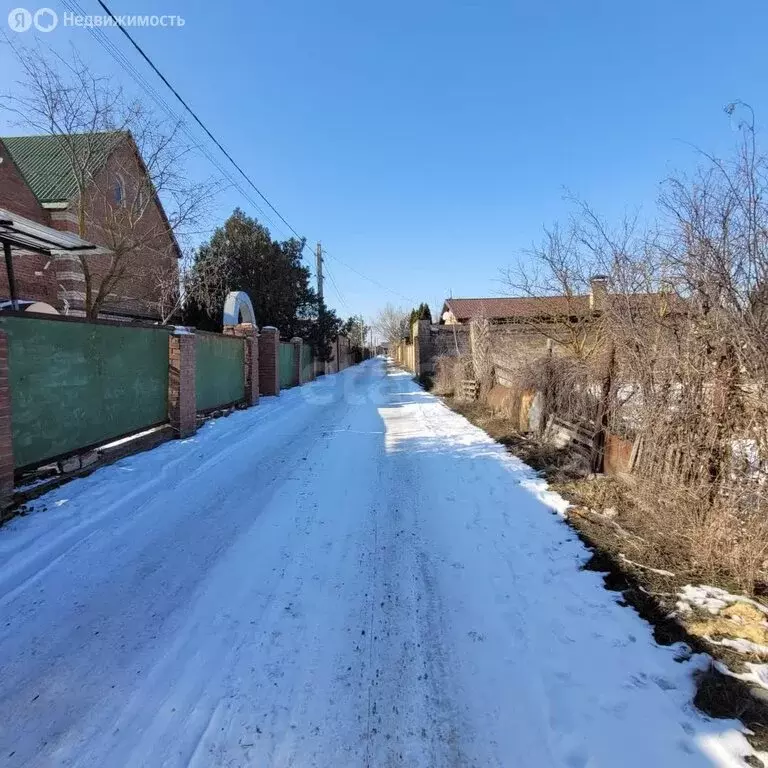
666	527
741	620
449	372
629	533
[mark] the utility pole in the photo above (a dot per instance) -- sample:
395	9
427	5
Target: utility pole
319	253
362	334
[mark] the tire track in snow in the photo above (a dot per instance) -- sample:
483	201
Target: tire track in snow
224	627
278	468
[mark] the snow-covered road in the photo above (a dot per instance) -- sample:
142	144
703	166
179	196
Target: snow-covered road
347	575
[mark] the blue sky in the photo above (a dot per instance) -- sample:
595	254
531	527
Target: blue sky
427	143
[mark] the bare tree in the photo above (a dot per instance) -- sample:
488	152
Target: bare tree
202	281
123	161
392	323
678	357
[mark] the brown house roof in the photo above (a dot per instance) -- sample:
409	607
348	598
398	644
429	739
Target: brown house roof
519	307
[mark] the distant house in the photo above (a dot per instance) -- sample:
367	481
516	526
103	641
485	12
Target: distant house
462	311
526	328
37	182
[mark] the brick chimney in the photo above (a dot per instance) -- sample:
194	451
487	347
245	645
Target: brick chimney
598	292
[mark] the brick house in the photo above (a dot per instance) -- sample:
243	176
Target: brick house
131	273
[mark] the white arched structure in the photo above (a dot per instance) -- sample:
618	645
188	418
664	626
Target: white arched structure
238	309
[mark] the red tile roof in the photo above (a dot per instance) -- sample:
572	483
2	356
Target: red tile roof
522	307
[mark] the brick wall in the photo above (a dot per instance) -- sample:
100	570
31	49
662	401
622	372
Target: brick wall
140	229
15	195
250	359
433	341
513	346
35	274
269	373
252	369
35	277
297	345
181	384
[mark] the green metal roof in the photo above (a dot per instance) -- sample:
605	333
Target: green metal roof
46	161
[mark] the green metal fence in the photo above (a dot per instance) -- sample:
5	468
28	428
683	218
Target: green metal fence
287	365
79	384
219	363
307	363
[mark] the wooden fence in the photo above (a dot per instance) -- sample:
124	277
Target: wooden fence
618	453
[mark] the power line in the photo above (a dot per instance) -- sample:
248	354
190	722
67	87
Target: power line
120	58
198	120
335	287
123	61
369	279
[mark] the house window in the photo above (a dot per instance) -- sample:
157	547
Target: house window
118	192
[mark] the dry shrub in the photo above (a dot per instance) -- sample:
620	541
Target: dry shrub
463	369
699	500
445	377
723	543
567	386
482	365
450	371
675	357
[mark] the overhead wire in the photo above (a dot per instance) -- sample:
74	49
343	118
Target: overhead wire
122	60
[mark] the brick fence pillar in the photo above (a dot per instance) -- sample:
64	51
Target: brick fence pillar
252	370
182	408
297	345
6	434
251	339
250	359
269	370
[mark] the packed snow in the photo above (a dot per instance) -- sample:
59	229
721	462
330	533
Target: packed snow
348	575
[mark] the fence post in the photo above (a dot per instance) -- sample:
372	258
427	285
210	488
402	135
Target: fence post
6	432
250	360
182	407
269	370
297	344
